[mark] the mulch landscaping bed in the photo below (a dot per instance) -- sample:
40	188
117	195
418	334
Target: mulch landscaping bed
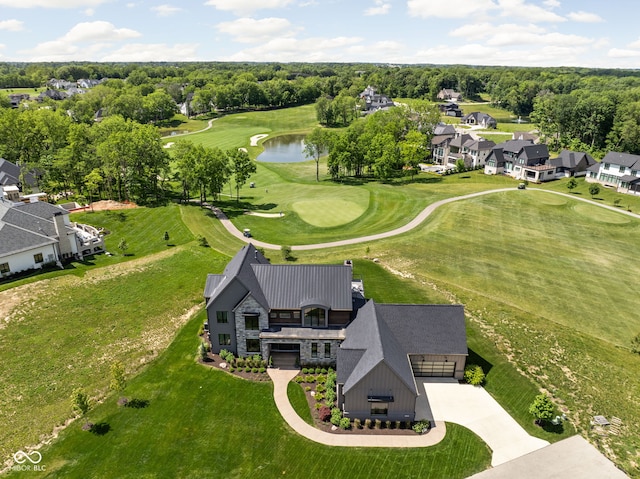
214	361
328	427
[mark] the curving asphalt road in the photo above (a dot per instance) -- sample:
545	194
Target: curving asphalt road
422	216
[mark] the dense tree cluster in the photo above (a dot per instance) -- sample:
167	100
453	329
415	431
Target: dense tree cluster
386	144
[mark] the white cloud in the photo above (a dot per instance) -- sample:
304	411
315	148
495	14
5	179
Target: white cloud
551	3
529	12
165	10
249	30
141	52
585	17
450	9
51	3
87	38
293	49
623	53
247	7
380	8
89	12
11	25
635	44
516	34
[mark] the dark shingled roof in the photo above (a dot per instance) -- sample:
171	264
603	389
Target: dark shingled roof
10	174
390	332
25	226
629	179
622	159
513	146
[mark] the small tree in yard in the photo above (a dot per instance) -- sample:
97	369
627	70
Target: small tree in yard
286	252
542	409
474	375
594	190
118	381
123	246
80	403
635	344
571	184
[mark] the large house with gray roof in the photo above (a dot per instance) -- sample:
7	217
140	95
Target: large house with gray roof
521	159
317	315
37	233
619	170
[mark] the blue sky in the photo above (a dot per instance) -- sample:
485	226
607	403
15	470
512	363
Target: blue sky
585	33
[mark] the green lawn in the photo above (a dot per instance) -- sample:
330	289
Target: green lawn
298	400
234	131
201	422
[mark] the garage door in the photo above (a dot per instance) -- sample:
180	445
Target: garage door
432	368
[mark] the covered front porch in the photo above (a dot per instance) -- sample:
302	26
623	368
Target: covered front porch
309	346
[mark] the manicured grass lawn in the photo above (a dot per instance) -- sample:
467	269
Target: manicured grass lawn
234	131
298	400
202	422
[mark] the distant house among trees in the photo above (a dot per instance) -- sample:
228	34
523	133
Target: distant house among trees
449	94
480	119
374	101
451	109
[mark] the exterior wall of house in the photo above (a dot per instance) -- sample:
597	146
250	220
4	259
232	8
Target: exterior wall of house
306	350
493	170
249	306
339	318
227	301
381	381
25	260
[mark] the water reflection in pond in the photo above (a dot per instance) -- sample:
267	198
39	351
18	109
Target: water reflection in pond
283	149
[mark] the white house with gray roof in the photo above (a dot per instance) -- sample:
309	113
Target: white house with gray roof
619	170
38	233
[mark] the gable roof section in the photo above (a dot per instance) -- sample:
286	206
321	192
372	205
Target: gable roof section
572	159
26	226
238	269
514	146
390	332
444	129
479	145
295	286
622	159
535	152
460	140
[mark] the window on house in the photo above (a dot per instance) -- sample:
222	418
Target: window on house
379	408
224	339
634	173
521	161
327	350
4	268
314	350
314	317
622	169
38	258
251	322
253	345
606	166
222	316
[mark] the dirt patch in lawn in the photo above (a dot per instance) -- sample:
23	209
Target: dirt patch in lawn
104	205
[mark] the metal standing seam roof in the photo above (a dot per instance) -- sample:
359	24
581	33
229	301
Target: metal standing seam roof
296	286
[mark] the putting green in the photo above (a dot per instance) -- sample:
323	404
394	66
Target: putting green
327	212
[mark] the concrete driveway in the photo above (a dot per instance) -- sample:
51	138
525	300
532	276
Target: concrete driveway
473	408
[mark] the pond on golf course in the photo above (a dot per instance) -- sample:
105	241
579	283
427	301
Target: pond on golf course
283	149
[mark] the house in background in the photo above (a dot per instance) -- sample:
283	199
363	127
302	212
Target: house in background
374	101
619	170
449	94
450	109
521	159
475	152
525	135
388	348
456	145
572	163
10	177
37	233
480	119
442	135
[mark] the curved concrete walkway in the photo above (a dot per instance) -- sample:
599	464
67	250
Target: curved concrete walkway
422	216
282	377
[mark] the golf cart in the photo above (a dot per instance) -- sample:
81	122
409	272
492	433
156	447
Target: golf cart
247	232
